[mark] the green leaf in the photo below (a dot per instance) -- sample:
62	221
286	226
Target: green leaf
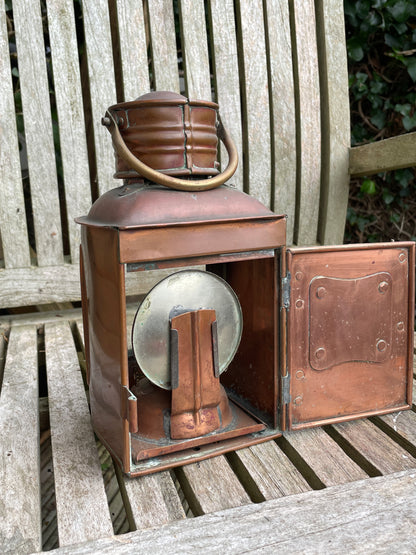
388	197
410	64
15	72
368	187
399	10
394	217
409	122
403	177
355	49
379	120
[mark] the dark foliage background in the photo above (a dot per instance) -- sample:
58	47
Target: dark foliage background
381	43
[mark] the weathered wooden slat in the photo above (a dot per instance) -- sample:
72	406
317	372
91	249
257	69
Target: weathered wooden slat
325	458
308	122
38	132
82	509
400	425
226	72
375	446
102	86
335	116
33	285
133	48
163	43
68	94
13	228
205	494
20	522
267	468
283	106
195	49
152	500
390	154
375	515
252	46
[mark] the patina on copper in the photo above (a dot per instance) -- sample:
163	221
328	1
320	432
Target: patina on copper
147	227
162	135
349	343
327	331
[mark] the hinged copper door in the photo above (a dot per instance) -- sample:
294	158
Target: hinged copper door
349	315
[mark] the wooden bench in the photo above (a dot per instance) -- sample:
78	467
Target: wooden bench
278	71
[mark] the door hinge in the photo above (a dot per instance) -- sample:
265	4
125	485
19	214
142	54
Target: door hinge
129	408
286	291
285	385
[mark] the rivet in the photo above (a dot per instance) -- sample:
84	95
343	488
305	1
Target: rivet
320	353
300	375
298	276
381	345
400	326
299	303
402	257
383	286
321	292
298	400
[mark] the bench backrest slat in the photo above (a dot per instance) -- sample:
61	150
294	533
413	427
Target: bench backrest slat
276	68
284	117
226	77
255	90
308	121
13	227
133	48
163	45
38	132
335	118
102	86
195	46
68	95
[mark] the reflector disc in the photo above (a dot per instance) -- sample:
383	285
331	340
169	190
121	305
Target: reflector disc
183	291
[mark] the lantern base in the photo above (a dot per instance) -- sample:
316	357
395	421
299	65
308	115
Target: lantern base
143	447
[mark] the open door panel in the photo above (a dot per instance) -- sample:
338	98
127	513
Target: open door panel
349	339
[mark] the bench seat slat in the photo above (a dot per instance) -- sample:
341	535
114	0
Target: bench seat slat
377	515
153	499
379	449
325	457
82	508
269	468
38	132
20	522
205	494
13	228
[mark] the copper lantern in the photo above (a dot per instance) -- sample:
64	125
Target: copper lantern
259	338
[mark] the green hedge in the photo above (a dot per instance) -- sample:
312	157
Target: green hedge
381	43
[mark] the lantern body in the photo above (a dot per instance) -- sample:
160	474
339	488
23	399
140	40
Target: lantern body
137	228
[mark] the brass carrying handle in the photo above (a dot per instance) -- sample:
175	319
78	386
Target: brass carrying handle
167	180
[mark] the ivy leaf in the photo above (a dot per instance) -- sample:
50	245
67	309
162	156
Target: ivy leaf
355	49
410	64
368	187
379	120
399	10
388	197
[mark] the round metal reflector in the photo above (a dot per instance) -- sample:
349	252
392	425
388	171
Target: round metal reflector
183	291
